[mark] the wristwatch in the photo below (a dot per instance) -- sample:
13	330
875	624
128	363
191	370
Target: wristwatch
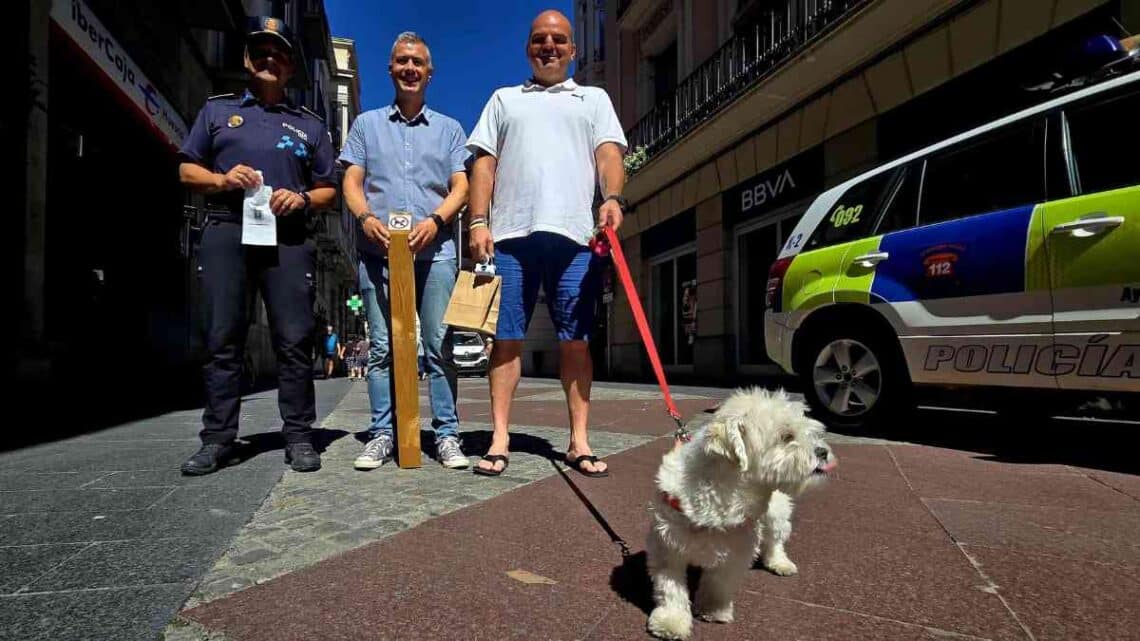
620	200
439	224
307	198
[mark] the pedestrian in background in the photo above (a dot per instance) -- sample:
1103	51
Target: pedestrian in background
341	349
360	353
234	138
410	158
332	350
564	140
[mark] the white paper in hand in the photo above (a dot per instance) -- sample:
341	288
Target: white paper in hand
258	224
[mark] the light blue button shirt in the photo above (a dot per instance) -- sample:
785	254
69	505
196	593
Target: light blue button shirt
408	165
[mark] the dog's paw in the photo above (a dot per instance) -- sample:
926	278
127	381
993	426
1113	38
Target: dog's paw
781	567
665	623
720	615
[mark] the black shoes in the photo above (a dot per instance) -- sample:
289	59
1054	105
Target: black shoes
214	456
302	457
209	459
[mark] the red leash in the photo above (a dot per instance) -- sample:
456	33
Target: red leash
610	244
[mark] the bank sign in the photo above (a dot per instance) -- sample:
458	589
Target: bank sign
76	20
781	185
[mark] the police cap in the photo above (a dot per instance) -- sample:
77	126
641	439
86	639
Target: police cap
266	27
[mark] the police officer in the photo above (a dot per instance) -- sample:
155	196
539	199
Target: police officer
233	138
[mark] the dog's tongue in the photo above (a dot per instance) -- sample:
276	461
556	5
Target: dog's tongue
828	467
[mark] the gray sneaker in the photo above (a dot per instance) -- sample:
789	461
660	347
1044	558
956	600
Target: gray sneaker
450	455
375	453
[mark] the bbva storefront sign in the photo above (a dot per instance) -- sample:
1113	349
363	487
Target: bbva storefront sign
781	185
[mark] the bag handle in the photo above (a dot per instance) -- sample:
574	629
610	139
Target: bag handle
485	267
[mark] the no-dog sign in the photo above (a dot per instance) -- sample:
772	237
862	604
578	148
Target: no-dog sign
399	221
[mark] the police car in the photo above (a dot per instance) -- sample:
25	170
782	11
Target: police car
1007	256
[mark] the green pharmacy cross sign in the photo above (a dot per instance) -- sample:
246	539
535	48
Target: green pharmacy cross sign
355	304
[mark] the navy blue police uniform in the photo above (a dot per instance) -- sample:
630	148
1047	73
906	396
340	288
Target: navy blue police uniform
292	149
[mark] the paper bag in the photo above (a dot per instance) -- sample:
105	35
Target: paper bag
474	303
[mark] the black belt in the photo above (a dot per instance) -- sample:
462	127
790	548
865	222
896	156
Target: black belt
289	229
223	215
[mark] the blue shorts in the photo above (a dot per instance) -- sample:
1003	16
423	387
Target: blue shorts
569	273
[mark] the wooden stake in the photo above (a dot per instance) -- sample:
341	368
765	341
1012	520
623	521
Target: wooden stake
402	294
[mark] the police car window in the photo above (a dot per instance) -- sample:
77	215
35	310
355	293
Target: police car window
1102	137
1000	170
853	216
900	211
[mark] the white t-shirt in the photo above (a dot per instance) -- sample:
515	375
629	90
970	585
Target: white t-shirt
544	139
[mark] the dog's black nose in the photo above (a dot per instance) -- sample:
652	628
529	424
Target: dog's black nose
822	453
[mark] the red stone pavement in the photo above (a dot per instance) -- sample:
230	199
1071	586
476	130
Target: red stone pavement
907	542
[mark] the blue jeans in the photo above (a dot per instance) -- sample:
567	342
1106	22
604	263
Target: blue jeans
434	284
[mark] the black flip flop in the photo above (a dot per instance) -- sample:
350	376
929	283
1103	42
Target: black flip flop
577	464
492	459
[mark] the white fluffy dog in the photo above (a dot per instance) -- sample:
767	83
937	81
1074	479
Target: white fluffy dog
722	498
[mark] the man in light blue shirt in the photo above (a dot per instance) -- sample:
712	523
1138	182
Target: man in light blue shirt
406	157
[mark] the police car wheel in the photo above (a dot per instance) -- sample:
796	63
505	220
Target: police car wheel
851	380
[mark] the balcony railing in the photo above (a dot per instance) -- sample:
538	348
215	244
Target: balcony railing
778	31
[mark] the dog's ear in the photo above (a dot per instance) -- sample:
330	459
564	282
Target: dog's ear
726	438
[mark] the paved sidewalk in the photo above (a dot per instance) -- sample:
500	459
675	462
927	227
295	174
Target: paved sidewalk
980	529
311	517
909	542
102	538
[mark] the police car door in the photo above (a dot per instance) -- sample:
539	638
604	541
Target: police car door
956	286
1093	241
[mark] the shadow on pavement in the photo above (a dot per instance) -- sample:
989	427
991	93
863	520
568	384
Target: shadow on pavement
1021	433
253	445
104	403
630	581
1101	445
479	441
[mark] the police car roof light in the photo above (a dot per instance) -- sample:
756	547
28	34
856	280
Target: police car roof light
1093	54
1103	49
1094	60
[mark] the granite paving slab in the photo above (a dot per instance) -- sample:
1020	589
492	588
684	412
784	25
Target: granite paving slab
101	536
308	518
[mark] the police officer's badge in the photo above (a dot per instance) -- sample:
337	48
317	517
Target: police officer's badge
234	121
271	24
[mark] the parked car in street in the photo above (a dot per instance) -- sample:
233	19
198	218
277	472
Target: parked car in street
1004	257
469	352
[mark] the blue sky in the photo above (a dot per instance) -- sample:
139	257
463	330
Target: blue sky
477	46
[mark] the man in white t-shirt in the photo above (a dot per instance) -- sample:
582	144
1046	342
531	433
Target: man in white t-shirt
542	149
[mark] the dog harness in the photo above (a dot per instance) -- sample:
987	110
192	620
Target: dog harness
675	503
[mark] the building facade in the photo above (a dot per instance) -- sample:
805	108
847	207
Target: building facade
744	110
590	41
107	278
346	106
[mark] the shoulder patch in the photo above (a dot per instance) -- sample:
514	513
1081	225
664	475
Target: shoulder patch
222	95
311	113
